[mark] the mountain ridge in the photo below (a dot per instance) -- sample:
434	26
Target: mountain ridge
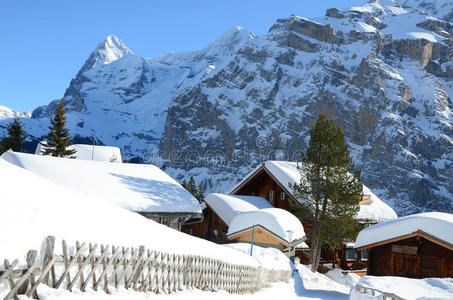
383	71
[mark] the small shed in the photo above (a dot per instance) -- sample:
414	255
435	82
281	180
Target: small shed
269	226
144	189
415	246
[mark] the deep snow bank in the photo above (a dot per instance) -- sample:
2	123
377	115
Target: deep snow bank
32	208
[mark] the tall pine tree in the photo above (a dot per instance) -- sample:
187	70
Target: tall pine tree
58	138
330	188
15	139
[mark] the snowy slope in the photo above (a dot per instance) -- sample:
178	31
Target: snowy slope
33	208
382	70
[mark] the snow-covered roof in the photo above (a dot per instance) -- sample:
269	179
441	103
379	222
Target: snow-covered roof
276	220
33	207
137	187
287	174
90	152
437	224
229	206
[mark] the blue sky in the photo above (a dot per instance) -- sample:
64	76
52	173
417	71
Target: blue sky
44	43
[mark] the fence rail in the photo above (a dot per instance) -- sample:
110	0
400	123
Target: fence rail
375	292
132	268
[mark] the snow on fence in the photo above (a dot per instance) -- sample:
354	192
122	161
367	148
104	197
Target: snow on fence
138	269
375	292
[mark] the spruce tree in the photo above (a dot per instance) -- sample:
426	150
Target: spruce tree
58	138
15	139
191	187
330	188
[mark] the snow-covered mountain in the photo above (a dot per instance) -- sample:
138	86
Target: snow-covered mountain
384	71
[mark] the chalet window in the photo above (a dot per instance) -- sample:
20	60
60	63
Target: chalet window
351	254
272	197
282	195
363	254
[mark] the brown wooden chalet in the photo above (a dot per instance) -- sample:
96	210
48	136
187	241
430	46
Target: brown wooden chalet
273	181
233	218
415	254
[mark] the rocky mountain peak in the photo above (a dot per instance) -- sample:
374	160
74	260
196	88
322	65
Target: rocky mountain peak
229	41
111	49
106	52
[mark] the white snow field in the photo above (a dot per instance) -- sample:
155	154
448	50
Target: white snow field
90	152
32	208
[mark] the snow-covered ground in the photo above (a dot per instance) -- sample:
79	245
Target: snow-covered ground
407	288
304	286
33	207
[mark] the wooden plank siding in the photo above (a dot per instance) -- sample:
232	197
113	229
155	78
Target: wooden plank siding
261	237
212	228
397	258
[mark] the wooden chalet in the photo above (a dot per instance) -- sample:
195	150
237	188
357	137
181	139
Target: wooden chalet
273	180
416	246
231	218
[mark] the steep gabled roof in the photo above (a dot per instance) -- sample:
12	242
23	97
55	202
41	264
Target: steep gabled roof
286	174
137	187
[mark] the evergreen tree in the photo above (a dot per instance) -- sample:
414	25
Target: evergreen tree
15	139
330	188
58	138
184	184
191	187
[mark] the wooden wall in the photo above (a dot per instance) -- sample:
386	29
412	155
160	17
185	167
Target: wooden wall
415	257
261	237
212	228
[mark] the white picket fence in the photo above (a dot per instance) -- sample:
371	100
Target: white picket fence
139	269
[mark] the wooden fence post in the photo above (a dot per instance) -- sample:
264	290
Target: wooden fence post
48	255
31	258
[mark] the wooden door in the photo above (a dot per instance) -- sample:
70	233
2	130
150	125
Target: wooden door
406	265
